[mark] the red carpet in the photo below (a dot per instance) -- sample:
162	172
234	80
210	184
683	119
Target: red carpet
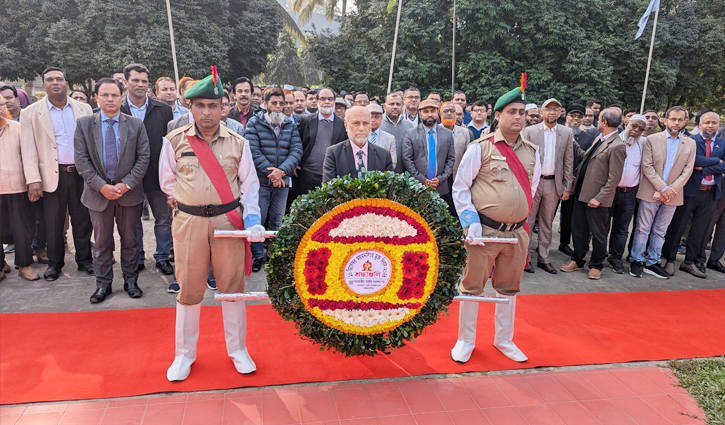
70	356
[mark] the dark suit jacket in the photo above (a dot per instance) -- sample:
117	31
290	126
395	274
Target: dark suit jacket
133	159
158	115
415	155
339	160
234	114
308	133
712	166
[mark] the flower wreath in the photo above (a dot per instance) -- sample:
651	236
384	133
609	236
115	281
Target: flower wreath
376	260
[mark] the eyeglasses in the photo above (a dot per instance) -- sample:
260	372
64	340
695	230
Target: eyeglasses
276	103
534	116
576	115
637	127
326	99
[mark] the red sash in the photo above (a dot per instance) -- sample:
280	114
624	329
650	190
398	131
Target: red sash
218	178
519	171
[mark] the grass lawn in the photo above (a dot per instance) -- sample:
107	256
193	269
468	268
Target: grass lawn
705	381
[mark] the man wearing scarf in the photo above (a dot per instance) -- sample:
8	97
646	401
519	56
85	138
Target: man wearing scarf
493	190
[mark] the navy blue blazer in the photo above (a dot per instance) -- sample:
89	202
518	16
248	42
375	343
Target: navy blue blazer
713	166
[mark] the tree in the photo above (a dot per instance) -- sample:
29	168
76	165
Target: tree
307	7
90	38
572	50
285	67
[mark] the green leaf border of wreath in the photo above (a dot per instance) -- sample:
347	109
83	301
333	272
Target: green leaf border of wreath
307	209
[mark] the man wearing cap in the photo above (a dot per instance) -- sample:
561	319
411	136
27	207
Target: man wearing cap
625	198
379	137
429	152
556	146
209	176
493	196
594	186
533	116
340	107
356	156
574	118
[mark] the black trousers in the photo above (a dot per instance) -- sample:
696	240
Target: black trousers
621	213
702	207
15	212
67	197
303	183
126	219
590	221
37	225
565	215
717	223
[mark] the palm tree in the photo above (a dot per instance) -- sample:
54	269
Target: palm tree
289	22
307	7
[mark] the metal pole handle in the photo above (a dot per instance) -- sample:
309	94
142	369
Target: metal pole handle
271	234
262	296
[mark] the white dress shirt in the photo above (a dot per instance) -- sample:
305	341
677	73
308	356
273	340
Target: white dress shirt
64	127
631	171
364	150
548	162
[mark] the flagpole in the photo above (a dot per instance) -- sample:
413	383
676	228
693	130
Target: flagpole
395	44
173	45
649	61
453	55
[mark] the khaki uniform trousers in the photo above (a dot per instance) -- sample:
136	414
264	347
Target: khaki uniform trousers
508	259
195	246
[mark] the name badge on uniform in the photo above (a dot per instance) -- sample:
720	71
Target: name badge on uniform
502	158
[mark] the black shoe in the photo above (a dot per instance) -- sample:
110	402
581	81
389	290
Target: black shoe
141	266
257	264
51	274
716	266
529	269
165	267
100	295
88	268
536	228
174	288
132	288
566	250
657	270
617	265
701	267
546	266
635	269
145	214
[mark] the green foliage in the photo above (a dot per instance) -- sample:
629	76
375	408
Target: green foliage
572	50
705	381
307	209
285	67
90	38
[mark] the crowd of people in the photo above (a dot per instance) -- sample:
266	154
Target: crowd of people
605	170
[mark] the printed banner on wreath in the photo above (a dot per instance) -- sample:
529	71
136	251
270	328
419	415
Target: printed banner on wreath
367	266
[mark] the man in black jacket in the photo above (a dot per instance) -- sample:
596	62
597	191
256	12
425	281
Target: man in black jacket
276	148
155	115
318	132
242	91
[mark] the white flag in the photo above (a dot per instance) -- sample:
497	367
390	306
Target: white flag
653	5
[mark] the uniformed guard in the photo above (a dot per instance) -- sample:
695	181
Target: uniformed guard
207	171
493	195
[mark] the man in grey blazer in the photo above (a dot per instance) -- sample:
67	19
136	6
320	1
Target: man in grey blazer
430	168
556	148
355	156
112	155
594	187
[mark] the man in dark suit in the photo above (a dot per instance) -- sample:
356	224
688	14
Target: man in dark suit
155	116
595	183
702	191
356	156
112	156
318	132
430	168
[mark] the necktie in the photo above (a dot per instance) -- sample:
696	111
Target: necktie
374	138
432	166
360	165
708	152
111	153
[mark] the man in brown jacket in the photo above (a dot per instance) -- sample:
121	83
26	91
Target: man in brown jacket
595	183
668	159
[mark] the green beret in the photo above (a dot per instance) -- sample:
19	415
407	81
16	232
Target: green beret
205	89
515	95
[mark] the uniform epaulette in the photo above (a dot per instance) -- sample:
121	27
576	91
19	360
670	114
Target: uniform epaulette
176	132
